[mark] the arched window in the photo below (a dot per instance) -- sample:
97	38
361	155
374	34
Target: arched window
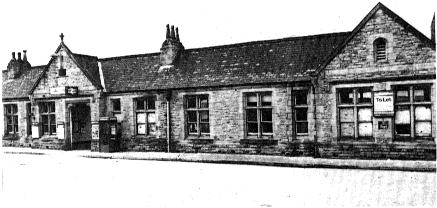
380	49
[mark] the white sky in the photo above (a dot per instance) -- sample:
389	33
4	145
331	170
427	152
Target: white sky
117	28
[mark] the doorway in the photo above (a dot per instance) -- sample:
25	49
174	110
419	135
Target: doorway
80	126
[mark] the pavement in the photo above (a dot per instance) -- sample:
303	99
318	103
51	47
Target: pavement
266	160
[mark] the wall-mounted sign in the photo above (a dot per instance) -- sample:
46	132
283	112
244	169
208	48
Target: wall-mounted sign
57	90
383	104
73	91
382	124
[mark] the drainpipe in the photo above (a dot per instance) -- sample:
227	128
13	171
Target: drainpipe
313	88
168	97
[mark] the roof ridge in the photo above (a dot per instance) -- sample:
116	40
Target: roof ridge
78	54
231	45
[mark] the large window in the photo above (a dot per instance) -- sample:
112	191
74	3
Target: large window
11	116
145	116
301	111
258	108
355	113
380	49
197	114
48	117
115	105
412	112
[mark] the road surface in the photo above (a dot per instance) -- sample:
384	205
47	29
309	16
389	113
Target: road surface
63	180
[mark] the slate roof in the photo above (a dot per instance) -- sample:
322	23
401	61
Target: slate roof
90	65
21	86
271	61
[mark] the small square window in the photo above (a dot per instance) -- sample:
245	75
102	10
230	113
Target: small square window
116	105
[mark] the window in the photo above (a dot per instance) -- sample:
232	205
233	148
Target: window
48	117
412	112
301	111
116	107
258	108
197	114
380	49
29	118
11	116
355	113
145	116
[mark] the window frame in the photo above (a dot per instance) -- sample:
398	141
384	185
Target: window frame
377	53
411	104
11	111
51	117
259	109
198	109
112	100
297	107
355	106
146	111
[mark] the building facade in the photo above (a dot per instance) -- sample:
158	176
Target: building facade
368	93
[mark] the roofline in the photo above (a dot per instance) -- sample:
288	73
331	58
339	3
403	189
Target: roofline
378	6
229	45
212	86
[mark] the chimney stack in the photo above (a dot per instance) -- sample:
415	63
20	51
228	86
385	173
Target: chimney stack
26	65
19	56
172	48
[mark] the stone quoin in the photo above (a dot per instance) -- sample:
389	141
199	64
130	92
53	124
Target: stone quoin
367	93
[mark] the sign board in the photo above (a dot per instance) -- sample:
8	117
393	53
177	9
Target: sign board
383	104
57	90
72	91
60	131
382	124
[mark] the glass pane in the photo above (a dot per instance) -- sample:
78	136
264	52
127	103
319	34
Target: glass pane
301	114
140	104
346	96
151	128
52	119
267	128
364	96
45	128
402	95
191	102
266	115
347	129
251	100
141	118
14	119
402	116
301	127
347	114
266	100
53	128
116	105
192	128
151	118
204	117
365	114
300	97
150	103
52	107
141	129
45	119
203	101
204	128
9	129
422	113
43	108
251	115
402	129
365	129
423	128
192	116
14	109
9	120
252	127
422	93
16	128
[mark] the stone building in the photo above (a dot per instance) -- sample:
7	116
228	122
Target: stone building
368	93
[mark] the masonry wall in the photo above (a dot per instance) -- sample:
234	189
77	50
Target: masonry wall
409	62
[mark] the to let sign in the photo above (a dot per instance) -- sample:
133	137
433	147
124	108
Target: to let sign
383	104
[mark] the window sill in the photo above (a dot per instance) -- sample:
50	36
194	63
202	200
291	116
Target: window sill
261	142
11	137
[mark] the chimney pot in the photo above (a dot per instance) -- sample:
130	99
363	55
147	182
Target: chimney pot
177	34
13	55
172	34
24	55
167	35
19	56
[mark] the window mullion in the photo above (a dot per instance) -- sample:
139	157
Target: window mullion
412	113
355	113
258	114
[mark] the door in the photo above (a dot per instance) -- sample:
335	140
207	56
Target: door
81	126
